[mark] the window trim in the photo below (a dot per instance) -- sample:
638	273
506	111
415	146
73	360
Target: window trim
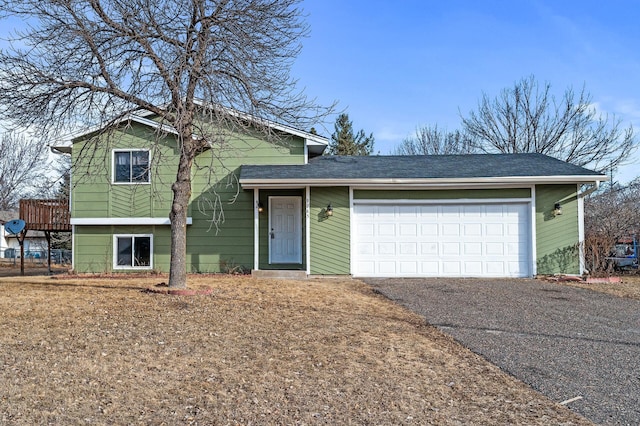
132	236
113	166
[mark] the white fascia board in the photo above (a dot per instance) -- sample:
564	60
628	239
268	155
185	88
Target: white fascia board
124	221
309	137
66	148
422	183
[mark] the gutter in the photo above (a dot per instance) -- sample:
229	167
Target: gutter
418	182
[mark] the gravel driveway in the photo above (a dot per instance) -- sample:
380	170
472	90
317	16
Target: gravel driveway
565	342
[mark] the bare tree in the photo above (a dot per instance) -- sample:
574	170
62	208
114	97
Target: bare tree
98	60
22	168
610	215
528	118
431	140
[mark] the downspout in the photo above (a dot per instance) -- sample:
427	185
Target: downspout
591	190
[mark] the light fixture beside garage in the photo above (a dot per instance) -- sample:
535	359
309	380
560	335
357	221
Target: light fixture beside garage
328	212
260	207
557	209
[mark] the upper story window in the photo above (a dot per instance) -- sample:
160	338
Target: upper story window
131	166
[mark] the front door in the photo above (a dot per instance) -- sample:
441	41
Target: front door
285	230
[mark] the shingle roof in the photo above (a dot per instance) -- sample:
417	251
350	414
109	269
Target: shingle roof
419	167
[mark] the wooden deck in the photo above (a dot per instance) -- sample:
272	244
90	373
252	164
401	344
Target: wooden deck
46	215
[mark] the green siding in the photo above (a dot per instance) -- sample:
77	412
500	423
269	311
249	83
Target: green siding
216	197
557	236
330	236
95	196
93	246
440	194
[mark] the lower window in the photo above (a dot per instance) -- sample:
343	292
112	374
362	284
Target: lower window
132	251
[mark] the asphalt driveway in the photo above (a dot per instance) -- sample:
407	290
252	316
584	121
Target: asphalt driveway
567	343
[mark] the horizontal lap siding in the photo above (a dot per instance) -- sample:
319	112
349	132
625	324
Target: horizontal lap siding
215	191
230	246
94	195
330	236
557	236
93	246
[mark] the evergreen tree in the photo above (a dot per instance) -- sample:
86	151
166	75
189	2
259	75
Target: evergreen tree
344	142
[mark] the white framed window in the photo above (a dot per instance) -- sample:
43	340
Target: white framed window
133	251
131	166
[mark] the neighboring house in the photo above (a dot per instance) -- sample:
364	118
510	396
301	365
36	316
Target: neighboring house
35	243
283	206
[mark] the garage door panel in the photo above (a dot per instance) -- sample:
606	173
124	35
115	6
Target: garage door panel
427	249
387	249
495	268
429	229
408	249
451	249
451	267
366	248
387	267
472	229
408	229
450	211
494	249
387	229
494	230
430	268
408	268
428	212
472	249
442	240
473	268
451	229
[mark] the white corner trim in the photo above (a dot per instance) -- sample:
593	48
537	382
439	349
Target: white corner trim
534	232
307	225
256	229
124	221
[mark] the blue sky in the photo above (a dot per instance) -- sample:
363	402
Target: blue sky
396	65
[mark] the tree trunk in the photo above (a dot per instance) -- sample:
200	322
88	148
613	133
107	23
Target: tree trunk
178	217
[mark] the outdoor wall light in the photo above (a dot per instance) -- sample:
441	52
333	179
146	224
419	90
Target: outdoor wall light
328	211
557	209
260	207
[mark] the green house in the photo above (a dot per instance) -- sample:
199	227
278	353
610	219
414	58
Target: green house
261	205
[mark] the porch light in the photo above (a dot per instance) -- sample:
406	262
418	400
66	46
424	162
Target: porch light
328	211
260	207
557	209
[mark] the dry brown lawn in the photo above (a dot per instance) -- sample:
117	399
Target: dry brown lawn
628	288
85	350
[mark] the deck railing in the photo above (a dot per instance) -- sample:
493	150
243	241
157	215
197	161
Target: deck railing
46	215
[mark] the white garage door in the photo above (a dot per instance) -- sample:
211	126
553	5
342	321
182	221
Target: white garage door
457	240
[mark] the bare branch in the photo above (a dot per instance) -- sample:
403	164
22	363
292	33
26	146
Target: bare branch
528	118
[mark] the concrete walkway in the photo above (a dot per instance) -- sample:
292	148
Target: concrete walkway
570	344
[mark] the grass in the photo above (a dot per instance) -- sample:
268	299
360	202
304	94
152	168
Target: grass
101	351
628	288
